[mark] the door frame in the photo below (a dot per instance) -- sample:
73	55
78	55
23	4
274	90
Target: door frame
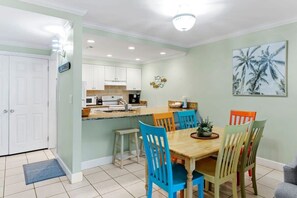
52	117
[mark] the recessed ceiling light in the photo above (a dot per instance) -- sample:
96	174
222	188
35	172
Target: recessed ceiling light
138	59
90	41
109	55
131	48
162	53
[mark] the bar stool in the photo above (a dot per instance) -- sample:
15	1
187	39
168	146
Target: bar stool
119	144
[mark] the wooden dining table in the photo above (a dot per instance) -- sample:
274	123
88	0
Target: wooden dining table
186	148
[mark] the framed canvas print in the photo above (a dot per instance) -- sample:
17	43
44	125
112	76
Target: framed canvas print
260	70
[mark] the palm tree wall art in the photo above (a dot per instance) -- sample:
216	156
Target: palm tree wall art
260	70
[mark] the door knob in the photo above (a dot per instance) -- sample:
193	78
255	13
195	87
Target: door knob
5	111
11	111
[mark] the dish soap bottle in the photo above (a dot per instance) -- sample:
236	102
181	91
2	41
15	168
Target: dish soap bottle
184	102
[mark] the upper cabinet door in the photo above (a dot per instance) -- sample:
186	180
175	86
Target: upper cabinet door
133	79
93	75
4	108
121	74
109	73
88	76
99	77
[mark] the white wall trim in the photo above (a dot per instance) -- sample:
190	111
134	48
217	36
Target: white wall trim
79	12
96	162
72	177
24	55
243	32
270	164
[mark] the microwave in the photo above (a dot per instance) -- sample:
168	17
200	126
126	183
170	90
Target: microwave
91	100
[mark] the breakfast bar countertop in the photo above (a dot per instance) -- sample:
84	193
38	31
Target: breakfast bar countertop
131	113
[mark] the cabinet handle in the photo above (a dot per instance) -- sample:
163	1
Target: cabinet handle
5	111
11	111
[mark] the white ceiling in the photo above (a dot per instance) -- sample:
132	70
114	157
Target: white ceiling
26	29
151	20
118	48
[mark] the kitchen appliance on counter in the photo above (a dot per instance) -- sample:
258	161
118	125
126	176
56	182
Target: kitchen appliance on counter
99	101
91	100
111	100
134	98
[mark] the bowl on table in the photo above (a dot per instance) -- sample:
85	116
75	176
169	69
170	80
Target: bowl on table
175	105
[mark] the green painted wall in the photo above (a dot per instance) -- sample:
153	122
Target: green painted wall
205	75
98	135
25	50
69	88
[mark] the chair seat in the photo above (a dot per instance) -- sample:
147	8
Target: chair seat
179	174
206	166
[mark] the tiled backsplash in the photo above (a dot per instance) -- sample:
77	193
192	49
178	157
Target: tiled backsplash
112	91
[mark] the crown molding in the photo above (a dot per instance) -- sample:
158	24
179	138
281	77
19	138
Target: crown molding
114	60
24	44
244	32
60	8
165	58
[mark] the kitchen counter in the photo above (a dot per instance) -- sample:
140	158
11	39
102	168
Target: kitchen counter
132	113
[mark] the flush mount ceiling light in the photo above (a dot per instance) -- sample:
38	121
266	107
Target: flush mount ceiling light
184	22
162	53
109	55
90	41
131	48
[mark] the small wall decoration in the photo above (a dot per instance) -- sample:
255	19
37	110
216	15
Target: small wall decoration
158	82
260	70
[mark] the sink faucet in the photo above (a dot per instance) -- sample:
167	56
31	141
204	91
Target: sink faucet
123	102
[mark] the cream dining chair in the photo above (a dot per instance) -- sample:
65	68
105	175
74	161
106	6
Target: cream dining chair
224	168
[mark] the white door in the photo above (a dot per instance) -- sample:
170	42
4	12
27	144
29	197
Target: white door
4	105
28	104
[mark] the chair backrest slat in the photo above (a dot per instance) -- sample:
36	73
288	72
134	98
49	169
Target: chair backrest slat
229	152
241	117
250	149
165	120
157	153
187	119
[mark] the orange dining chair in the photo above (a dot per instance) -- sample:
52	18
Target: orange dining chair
240	117
165	120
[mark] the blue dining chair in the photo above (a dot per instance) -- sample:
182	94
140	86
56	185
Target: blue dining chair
170	177
187	119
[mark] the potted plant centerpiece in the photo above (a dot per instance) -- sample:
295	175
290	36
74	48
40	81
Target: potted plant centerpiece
204	128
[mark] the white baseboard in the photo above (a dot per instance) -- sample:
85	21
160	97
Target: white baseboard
72	177
96	162
101	161
270	164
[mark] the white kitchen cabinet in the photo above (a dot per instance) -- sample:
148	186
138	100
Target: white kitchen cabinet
133	79
23	104
115	75
93	75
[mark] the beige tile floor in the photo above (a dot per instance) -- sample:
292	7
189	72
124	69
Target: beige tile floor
106	181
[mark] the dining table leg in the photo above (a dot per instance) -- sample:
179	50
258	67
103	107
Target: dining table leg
190	166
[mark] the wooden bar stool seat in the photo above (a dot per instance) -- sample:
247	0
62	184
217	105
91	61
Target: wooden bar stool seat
132	134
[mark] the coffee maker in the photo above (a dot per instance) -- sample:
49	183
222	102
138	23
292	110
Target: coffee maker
134	98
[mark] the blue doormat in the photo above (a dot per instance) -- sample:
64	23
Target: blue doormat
44	170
